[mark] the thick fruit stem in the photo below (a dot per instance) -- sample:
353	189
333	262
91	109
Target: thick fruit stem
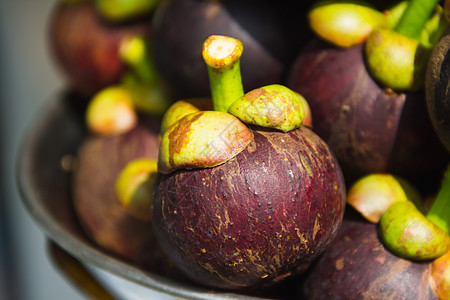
439	212
415	17
148	91
222	56
134	52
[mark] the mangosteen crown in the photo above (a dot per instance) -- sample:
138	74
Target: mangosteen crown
273	106
201	140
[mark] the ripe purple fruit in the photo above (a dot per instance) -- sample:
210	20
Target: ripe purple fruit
358	266
272	34
263	215
85	47
369	129
105	221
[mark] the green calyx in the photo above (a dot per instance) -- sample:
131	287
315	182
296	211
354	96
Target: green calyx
111	111
430	32
193	137
183	108
202	139
122	10
396	61
397	58
408	233
434	28
134	187
175	112
273	106
373	194
411	234
344	23
395	13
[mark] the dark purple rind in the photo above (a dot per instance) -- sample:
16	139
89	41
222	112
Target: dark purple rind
84	47
256	219
438	88
271	35
357	266
368	129
417	152
105	221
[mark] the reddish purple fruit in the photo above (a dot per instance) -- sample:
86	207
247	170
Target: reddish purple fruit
262	216
272	34
369	129
85	47
105	221
357	266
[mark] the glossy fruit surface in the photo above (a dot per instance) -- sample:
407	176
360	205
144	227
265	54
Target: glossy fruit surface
262	216
357	266
272	34
370	129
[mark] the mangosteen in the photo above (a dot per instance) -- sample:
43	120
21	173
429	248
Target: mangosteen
100	161
273	33
438	88
243	206
369	126
358	266
404	254
369	129
85	46
259	217
409	226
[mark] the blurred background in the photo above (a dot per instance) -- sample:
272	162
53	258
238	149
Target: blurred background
28	79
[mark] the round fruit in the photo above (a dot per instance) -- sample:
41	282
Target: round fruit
261	216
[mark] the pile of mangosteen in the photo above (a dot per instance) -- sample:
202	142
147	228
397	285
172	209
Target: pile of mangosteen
224	140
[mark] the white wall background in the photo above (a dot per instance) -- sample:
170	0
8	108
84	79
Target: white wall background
27	79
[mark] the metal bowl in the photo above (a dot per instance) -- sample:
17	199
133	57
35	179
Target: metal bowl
43	181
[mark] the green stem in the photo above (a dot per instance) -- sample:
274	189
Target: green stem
142	81
134	52
439	212
415	17
222	56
